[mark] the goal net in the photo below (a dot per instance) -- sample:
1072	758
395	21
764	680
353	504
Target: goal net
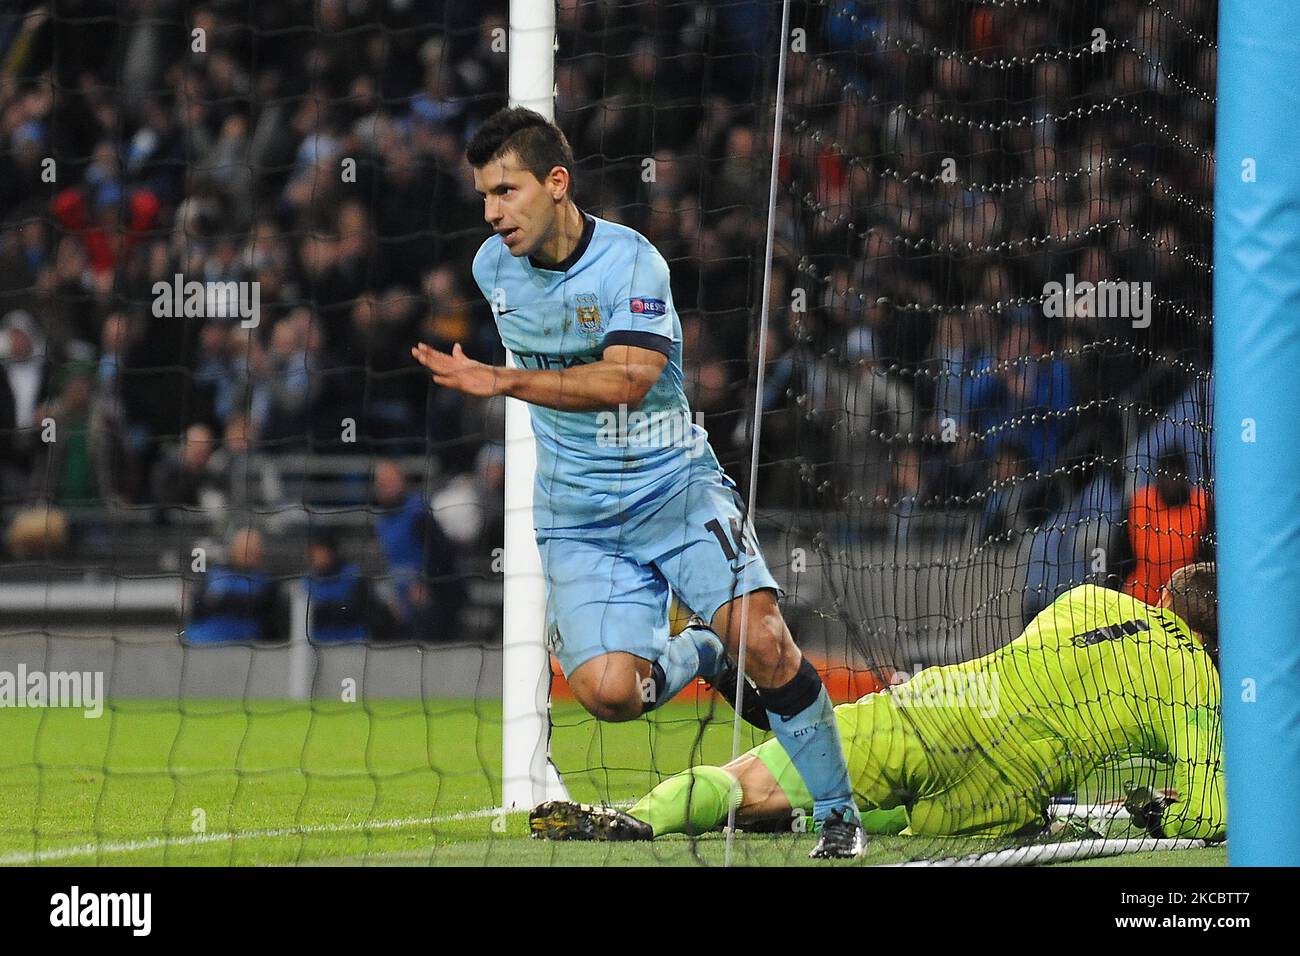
993	357
251	579
987	377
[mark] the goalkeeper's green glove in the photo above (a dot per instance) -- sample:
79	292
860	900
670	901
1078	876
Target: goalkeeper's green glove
1145	809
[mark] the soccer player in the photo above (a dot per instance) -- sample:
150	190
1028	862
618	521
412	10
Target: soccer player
979	748
630	501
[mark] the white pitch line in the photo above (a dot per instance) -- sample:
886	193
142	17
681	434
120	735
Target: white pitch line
196	839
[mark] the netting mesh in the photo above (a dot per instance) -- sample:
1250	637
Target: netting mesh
959	174
988	376
1001	214
955	430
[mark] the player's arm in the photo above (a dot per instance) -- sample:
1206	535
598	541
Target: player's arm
1200	810
1185	718
1193	808
623	376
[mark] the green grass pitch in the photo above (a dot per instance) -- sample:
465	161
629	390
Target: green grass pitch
221	782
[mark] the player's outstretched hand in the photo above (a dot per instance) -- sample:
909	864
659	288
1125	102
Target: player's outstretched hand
457	370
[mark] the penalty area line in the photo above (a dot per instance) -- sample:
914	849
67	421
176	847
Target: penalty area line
29	857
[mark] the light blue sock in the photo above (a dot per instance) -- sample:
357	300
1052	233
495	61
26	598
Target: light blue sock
811	737
695	652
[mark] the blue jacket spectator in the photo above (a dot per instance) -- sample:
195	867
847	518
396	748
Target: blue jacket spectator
422	560
1080	543
238	603
341	607
1023	397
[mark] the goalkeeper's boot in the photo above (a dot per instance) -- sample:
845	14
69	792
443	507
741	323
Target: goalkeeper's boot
566	820
842	838
752	710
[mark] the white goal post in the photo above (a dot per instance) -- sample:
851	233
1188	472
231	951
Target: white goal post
527	775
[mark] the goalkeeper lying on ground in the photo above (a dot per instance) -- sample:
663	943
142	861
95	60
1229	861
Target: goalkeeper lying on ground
979	748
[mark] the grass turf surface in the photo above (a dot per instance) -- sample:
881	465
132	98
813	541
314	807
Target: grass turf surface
223	782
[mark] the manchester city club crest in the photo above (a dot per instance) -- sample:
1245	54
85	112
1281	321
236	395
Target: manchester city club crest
589	319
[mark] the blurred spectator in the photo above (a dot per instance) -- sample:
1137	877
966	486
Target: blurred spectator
341	607
471	507
1016	498
436	102
238	602
106	218
283	385
76	463
37	534
378	386
109	418
156	156
422	561
883	413
1167	522
22	352
231	466
218	374
185	478
1081	542
905	494
951	363
1022	392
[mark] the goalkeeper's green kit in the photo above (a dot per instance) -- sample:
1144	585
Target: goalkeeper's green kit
980	747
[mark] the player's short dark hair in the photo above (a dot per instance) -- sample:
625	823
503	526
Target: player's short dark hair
539	143
1194	596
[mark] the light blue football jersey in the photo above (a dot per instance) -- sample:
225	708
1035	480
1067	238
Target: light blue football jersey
593	467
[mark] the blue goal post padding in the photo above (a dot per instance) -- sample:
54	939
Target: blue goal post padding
1257	423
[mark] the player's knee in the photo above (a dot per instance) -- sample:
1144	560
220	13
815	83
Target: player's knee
610	704
771	655
608	692
776	654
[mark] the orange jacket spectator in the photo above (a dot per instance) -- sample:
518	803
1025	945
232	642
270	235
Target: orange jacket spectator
1166	522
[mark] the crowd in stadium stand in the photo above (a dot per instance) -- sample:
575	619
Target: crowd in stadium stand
422	594
918	372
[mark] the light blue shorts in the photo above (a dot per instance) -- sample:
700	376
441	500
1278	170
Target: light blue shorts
608	587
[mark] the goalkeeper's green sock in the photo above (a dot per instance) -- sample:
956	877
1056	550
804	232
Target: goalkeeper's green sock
694	801
885	822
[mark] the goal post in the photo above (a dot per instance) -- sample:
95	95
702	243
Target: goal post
527	775
1256	355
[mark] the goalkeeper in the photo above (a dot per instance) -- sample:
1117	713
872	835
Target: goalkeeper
979	748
